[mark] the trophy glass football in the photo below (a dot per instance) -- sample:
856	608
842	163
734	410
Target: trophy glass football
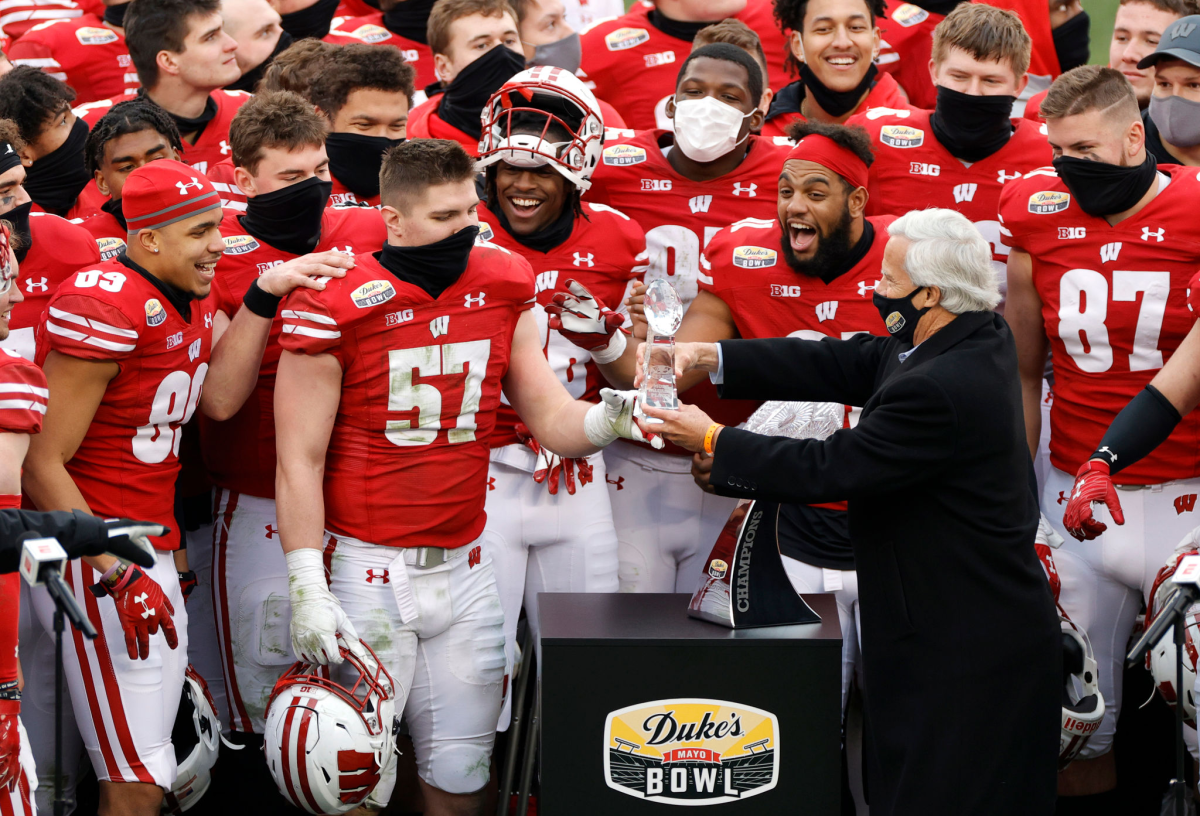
664	313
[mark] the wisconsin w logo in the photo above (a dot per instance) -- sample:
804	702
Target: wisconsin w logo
826	310
440	325
546	280
964	192
700	203
1185	504
1109	252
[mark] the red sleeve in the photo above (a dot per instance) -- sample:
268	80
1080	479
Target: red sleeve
1015	223
10	614
88	328
309	325
705	281
36	54
23	395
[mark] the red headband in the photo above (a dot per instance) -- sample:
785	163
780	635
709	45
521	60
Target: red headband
826	152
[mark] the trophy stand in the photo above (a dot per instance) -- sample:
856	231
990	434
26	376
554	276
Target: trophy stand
664	313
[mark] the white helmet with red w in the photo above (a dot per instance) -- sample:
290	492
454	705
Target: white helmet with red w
544	115
327	743
1160	660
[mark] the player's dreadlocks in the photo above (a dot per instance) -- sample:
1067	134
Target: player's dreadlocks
31	98
131	116
852	138
789	14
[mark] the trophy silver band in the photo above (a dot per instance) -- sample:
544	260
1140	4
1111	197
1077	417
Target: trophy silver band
664	313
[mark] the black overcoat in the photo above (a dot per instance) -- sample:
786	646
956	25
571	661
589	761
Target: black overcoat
961	645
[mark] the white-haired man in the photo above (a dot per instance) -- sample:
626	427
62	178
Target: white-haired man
942	516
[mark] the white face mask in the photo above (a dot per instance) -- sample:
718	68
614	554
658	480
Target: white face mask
706	129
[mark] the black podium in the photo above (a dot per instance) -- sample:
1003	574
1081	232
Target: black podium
644	708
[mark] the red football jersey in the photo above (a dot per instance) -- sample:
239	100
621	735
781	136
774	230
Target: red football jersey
911	165
1033	107
371	30
18	16
408	457
240	452
680	216
885	93
601	254
635	66
82	52
424	123
109	234
127	462
1114	303
906	33
57	250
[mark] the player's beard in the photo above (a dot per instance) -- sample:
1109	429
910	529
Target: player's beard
833	248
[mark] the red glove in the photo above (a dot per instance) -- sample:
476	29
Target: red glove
10	751
143	608
187	582
1193	295
1092	484
582	319
550	466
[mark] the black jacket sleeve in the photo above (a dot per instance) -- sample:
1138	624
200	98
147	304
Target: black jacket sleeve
68	528
789	368
903	441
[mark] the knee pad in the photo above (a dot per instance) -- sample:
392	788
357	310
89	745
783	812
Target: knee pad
458	767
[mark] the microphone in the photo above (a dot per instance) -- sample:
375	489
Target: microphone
1187	581
42	563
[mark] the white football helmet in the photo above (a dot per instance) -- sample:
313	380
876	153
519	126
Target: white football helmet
1160	660
199	754
326	743
1082	704
533	103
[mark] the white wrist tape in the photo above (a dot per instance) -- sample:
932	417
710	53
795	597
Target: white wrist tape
597	427
306	571
613	351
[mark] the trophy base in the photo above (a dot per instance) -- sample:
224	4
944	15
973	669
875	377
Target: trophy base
745	584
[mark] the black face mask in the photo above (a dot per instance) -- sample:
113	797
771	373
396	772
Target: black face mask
249	80
552	235
971	127
115	15
312	21
1071	42
19	218
463	101
409	19
1105	189
113	208
354	160
836	103
56	179
433	267
289	218
899	315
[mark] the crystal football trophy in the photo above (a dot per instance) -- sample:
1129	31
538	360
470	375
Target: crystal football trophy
745	584
664	313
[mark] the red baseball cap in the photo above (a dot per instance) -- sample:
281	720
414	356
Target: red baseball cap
163	192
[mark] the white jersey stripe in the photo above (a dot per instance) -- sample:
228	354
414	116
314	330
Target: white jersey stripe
92	323
23	405
62	331
23	388
304	331
315	318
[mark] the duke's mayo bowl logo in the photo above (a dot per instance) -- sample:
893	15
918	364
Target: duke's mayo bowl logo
754	257
155	313
1049	201
240	244
372	293
894	322
717	568
691	751
485	232
89	35
371	33
901	136
621	155
624	38
110	247
909	15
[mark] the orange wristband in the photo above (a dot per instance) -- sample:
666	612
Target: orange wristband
708	436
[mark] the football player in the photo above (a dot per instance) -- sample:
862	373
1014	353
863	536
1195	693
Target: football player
906	43
48	248
25	14
254	26
127	346
402	23
1172	122
88	53
476	49
834	45
54	136
631	60
962	153
735	32
132	133
295	68
388	387
682	188
1102	252
312	18
550	525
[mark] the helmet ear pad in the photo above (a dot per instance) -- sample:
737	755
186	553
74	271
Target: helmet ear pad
1072	656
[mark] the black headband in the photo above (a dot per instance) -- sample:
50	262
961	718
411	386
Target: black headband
9	158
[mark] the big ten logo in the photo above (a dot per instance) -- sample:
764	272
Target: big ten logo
656	185
396	318
663	58
923	169
263	267
784	290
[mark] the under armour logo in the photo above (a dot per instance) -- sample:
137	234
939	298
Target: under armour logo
224	148
865	286
1112	456
10	150
208	321
619	482
751	190
346	250
271	531
491	482
1062	497
474	557
1182	30
1003	177
147	611
185	185
384	576
1158	234
470	301
588	259
39	285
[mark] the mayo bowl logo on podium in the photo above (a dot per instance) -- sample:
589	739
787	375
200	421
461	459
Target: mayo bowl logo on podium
691	752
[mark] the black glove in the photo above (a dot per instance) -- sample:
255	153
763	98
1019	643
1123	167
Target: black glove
126	539
79	534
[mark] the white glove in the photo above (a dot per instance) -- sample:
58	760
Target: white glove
1191	541
1046	534
317	617
613	417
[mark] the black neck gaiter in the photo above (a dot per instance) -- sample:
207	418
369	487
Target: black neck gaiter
462	103
19	218
289	218
433	267
56	179
198	124
180	300
1105	189
409	20
971	127
836	103
678	29
310	22
355	160
552	235
113	208
1072	41
115	15
249	80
